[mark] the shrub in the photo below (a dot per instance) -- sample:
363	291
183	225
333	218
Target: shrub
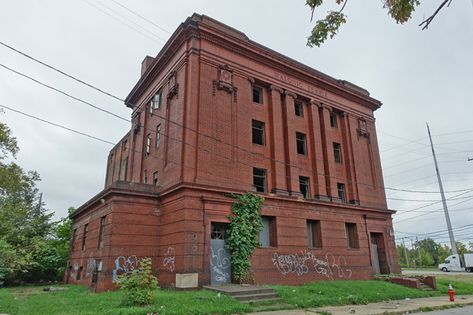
139	286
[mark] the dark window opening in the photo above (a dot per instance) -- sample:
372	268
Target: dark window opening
257	95
333	120
299	108
148	144
101	232
259	179
341	192
304	186
84	236
301	143
145	176
79	272
73	239
218	231
158	135
314	234
268	235
337	152
156	102
155	178
351	235
258	132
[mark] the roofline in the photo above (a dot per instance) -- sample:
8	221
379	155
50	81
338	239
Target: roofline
199	22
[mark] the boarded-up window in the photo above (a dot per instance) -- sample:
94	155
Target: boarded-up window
268	236
314	234
351	235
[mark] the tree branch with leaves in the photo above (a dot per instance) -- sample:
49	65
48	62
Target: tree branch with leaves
400	10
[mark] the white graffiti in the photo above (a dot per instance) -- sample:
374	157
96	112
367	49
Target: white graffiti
125	265
220	265
169	259
74	269
91	264
304	262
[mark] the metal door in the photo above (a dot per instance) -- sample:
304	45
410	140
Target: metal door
375	256
220	266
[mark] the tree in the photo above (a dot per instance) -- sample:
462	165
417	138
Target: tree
400	10
430	247
24	224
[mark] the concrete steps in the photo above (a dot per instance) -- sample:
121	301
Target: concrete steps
247	294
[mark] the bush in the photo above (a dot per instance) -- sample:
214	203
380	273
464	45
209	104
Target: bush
138	286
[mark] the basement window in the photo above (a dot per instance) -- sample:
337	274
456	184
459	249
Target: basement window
267	236
314	234
351	234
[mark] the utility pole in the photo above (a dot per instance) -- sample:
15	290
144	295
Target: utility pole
418	251
405	252
445	208
412	245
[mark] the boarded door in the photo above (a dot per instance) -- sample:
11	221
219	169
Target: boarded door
220	267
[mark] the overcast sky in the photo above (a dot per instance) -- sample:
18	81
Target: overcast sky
420	76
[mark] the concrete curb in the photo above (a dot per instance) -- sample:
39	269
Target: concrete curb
383	308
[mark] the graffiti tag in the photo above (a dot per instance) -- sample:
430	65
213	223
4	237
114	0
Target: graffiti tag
304	262
220	265
169	259
125	265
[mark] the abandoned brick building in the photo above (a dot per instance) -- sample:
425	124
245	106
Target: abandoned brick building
213	113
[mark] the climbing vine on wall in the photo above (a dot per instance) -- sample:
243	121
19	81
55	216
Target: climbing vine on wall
245	225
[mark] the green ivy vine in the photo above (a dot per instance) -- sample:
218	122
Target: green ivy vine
245	225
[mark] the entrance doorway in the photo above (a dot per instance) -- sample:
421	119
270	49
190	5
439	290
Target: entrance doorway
378	253
220	266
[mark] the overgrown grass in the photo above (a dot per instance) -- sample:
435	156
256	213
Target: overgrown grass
346	292
78	300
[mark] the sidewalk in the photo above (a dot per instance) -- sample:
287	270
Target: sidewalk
391	307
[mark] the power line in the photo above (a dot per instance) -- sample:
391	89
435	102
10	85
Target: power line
140	16
122	22
57	125
427	192
170	121
63	93
61	72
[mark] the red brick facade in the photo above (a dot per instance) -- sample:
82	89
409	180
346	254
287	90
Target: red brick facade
197	109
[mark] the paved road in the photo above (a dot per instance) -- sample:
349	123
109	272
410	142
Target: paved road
467	310
431	272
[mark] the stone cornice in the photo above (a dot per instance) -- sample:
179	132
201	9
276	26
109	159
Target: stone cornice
219	34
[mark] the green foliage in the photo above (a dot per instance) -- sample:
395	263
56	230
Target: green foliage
78	300
139	286
345	293
431	253
325	28
401	10
245	225
32	248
